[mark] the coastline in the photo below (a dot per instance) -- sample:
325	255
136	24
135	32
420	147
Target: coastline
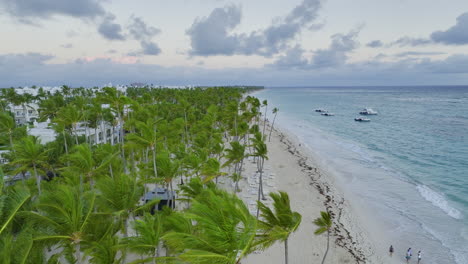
312	188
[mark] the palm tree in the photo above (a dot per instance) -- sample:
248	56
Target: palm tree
119	196
275	111
11	201
64	215
222	230
30	153
211	170
280	224
324	223
236	155
260	152
265	104
150	230
147	138
7	126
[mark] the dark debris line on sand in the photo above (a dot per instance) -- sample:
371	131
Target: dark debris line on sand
343	236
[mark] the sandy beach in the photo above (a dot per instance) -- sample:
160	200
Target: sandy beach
292	168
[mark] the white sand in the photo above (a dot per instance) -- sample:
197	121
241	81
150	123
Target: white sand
355	237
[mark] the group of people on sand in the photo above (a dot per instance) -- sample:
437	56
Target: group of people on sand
409	254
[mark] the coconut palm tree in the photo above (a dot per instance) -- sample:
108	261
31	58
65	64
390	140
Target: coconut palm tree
260	152
275	111
265	104
119	196
63	217
278	224
222	231
149	231
236	155
30	153
324	223
7	126
11	201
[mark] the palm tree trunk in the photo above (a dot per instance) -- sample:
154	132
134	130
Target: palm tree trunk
286	251
38	179
154	162
264	120
11	142
261	161
271	129
328	245
78	253
104	133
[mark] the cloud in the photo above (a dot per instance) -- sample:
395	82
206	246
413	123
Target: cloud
410	41
140	31
150	48
335	55
27	11
212	35
375	44
110	30
67	46
455	35
418	53
294	58
32	68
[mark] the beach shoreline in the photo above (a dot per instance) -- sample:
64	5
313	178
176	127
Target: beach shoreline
312	188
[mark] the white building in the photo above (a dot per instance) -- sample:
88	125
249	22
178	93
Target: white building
25	113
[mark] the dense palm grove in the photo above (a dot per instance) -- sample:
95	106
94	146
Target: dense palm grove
80	202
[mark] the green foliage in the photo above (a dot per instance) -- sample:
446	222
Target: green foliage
277	225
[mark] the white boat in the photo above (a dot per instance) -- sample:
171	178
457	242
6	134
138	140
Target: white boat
362	119
320	110
368	111
327	114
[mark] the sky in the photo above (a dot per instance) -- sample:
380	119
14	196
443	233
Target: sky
243	42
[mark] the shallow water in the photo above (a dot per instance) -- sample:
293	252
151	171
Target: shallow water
409	164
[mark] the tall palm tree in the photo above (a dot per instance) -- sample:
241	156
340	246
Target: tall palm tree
64	215
30	153
119	196
236	155
7	126
222	231
275	111
149	231
324	223
260	152
265	104
147	138
11	201
277	225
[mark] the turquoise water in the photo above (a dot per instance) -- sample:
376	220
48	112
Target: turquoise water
409	163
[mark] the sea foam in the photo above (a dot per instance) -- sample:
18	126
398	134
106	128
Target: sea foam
438	200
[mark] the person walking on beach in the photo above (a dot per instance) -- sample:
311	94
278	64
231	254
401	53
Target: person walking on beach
419	256
408	255
391	250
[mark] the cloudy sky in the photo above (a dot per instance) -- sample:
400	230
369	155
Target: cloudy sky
224	42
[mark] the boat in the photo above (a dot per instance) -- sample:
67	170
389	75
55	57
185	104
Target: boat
361	119
327	114
320	110
368	111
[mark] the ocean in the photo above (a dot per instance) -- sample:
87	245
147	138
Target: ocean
408	165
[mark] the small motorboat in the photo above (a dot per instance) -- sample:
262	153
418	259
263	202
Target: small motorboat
327	114
368	111
361	119
320	110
